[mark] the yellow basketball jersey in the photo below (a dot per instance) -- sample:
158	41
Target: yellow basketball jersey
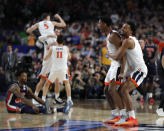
104	57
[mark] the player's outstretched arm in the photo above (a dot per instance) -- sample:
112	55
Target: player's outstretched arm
32	28
59	24
35	97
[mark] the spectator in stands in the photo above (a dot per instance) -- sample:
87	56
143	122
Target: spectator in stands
9	62
152	53
160	110
104	58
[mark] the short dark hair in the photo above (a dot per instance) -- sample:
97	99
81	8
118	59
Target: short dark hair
19	72
106	20
44	15
132	27
60	39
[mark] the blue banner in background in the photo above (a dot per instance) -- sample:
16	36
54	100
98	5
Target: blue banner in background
21	48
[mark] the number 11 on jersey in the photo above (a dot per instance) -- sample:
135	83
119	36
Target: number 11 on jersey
59	54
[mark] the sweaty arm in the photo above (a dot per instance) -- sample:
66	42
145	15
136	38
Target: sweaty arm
35	97
16	91
48	55
127	44
32	28
59	24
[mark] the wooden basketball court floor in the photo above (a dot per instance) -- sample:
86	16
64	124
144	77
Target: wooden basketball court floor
85	115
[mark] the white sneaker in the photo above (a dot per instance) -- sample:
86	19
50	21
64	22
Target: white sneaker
160	112
70	103
58	101
122	119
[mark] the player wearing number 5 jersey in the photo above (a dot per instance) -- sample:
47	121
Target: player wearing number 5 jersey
59	70
48	37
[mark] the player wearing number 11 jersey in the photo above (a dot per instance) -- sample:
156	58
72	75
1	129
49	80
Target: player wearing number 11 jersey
48	36
59	55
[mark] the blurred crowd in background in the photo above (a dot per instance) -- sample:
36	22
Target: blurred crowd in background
90	62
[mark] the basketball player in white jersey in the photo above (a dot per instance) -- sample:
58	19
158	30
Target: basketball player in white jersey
112	81
59	55
131	48
46	29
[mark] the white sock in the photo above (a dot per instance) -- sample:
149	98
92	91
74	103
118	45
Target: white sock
69	98
43	98
115	112
150	95
55	110
123	112
132	114
56	95
36	93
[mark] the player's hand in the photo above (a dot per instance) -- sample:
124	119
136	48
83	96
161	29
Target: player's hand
57	16
36	110
121	76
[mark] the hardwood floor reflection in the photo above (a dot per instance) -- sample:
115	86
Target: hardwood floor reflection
83	111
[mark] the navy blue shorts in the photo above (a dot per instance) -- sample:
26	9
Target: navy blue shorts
26	109
151	72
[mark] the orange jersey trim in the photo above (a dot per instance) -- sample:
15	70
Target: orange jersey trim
50	82
118	82
135	83
41	76
106	83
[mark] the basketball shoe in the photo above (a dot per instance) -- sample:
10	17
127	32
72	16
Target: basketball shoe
123	119
47	106
58	101
112	119
160	112
130	122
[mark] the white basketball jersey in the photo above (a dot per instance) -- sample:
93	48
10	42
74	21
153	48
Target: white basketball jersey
112	49
135	57
46	28
110	46
59	58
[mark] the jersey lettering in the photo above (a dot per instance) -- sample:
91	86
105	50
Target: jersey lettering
59	54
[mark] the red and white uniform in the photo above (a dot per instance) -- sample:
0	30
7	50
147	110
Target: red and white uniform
114	69
59	67
46	28
135	61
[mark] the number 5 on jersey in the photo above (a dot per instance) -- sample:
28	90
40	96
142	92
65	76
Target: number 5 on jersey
59	54
46	26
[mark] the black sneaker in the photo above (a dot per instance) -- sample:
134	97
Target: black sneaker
58	101
47	106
